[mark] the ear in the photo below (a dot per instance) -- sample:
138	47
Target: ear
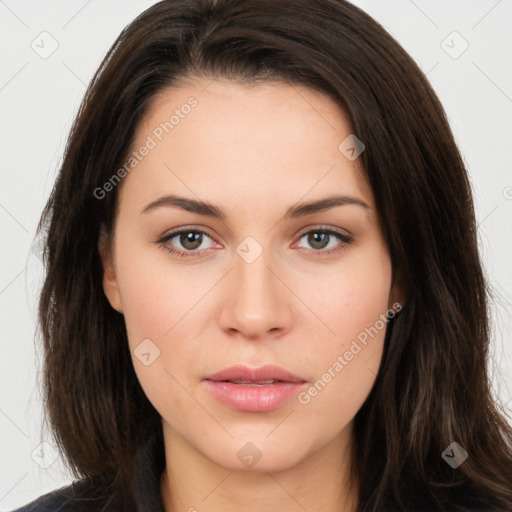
110	286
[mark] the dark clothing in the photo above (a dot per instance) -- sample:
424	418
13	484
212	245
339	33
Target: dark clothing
84	496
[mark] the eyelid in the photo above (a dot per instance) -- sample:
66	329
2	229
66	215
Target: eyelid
320	227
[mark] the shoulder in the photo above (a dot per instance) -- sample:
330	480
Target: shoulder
102	494
79	496
48	502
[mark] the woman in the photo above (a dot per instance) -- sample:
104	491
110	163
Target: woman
263	287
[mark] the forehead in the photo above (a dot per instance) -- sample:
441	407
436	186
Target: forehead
213	136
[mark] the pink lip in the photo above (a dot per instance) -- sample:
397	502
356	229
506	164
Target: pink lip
256	397
265	372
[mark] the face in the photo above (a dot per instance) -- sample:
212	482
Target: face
254	278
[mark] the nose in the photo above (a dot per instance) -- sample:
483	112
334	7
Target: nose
256	301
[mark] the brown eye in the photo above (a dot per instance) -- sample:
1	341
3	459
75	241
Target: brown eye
324	240
185	242
318	240
191	240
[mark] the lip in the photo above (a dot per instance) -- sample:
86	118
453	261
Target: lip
265	372
254	397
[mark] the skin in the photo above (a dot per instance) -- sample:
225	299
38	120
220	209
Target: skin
253	151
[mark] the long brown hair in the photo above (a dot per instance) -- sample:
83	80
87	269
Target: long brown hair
432	388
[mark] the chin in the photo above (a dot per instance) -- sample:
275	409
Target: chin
258	456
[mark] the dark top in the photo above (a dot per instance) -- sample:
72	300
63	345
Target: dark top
83	495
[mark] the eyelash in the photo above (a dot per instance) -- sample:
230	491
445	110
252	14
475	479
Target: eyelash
346	240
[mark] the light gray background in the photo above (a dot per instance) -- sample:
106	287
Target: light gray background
40	96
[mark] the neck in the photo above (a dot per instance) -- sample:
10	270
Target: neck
319	482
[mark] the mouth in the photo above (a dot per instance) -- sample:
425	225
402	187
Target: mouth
264	375
252	382
254	389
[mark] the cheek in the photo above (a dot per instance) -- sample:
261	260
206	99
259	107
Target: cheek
355	295
355	313
155	313
154	295
163	312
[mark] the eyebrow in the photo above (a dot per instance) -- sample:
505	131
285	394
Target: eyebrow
294	212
